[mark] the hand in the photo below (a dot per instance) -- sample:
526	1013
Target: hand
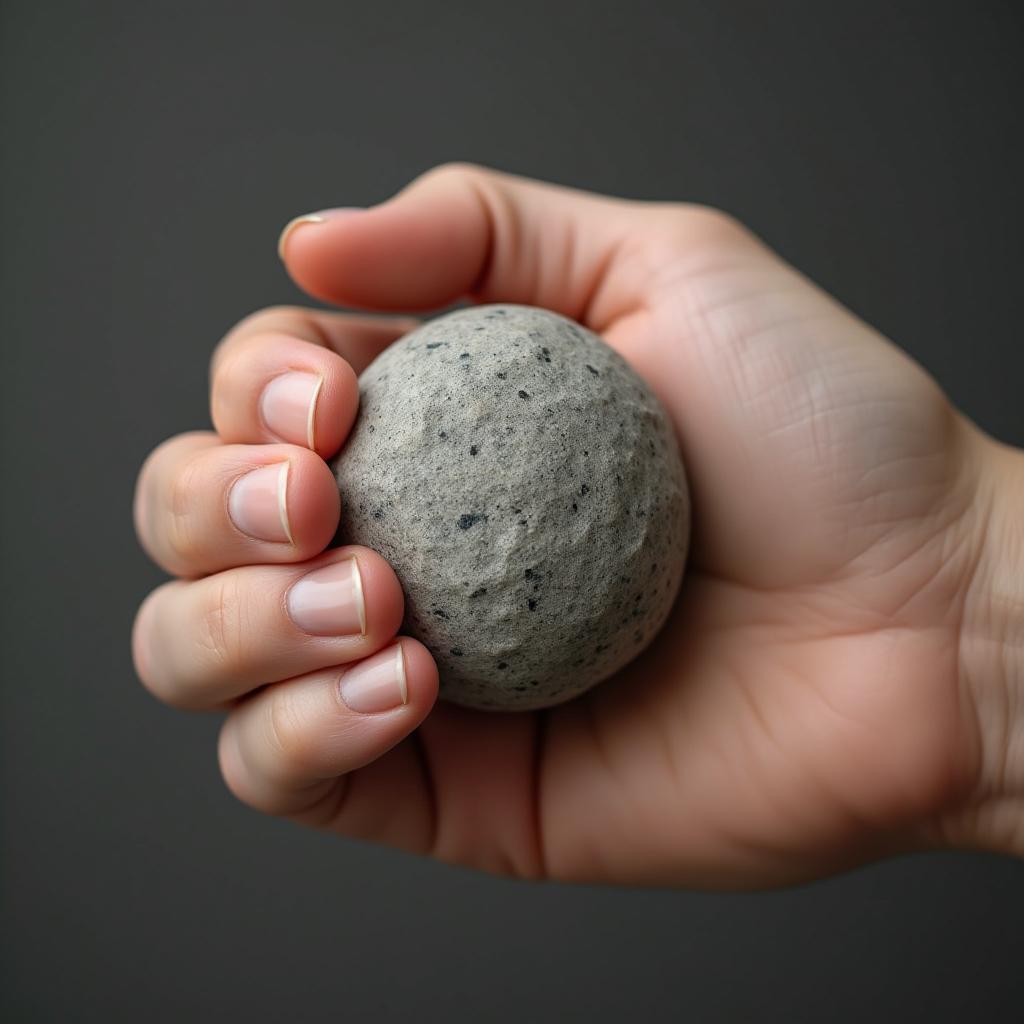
837	681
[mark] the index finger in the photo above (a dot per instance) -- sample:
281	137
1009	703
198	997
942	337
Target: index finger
288	374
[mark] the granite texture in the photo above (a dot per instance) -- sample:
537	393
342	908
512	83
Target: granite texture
527	488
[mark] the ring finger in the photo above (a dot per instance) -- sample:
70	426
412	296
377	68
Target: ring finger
203	643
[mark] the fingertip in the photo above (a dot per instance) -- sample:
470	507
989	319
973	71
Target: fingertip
395	255
333	410
381	592
289	229
272	386
317	250
313	503
421	674
319	217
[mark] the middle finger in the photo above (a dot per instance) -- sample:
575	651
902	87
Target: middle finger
202	506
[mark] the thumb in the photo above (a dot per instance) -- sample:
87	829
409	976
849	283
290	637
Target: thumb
464	231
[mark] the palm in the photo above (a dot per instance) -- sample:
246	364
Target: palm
801	701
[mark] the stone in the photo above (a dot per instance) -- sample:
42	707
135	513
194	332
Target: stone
527	488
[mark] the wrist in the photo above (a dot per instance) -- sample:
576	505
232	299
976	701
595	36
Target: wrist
992	652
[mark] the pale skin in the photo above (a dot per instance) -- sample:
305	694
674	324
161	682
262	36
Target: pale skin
840	681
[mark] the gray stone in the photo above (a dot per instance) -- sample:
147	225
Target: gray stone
527	488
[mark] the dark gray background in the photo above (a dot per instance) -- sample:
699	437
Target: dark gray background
150	154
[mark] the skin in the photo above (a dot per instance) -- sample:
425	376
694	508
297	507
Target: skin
841	678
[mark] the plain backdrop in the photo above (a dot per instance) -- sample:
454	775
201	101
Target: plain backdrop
150	154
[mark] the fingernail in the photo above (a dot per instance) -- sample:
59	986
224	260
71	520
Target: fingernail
376	684
329	601
258	503
295	222
320	217
288	406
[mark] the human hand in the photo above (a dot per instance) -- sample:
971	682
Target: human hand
838	682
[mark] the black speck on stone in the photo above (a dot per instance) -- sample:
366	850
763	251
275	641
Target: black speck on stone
479	592
440	613
575	507
531	604
501	376
378	513
435	344
473	449
524	394
457	651
468	519
596	373
584	490
463	355
441	434
502	665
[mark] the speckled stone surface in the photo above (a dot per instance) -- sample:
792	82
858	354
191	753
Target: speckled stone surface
527	488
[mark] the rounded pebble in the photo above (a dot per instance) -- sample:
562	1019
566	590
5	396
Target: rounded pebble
527	488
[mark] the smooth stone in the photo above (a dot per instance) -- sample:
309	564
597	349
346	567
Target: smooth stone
527	488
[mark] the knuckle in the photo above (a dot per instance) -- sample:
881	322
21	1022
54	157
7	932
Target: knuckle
459	170
692	225
262	319
682	241
157	488
183	540
224	365
292	752
142	505
221	625
150	666
272	314
233	770
231	380
266	320
140	643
